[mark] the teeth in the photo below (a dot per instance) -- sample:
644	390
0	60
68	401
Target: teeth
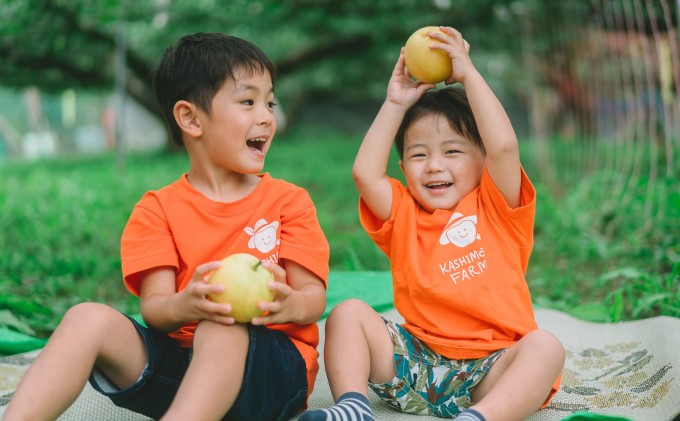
256	143
441	183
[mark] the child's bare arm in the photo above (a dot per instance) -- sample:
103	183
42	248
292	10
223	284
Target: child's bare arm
167	310
370	165
493	123
300	296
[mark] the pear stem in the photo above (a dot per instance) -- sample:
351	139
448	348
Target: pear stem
257	265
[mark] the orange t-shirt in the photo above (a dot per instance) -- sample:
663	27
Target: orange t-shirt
458	275
179	227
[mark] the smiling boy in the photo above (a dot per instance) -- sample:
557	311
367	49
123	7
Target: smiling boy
193	362
458	236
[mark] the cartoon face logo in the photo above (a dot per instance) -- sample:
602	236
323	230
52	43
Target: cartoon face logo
460	232
263	236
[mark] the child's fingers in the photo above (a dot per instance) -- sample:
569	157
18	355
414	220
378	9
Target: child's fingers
402	65
203	270
261	321
225	320
276	270
449	34
282	290
423	87
270	306
452	32
399	66
272	314
202	289
213	309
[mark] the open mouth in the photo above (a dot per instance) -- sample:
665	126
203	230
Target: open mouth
439	185
256	144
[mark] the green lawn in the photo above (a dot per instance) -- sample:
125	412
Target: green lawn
62	219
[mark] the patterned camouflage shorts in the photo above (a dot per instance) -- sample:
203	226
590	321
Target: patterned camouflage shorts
427	383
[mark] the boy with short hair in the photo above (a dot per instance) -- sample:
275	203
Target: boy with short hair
458	237
194	361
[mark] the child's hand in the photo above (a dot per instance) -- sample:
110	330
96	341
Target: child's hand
402	90
287	300
452	43
193	302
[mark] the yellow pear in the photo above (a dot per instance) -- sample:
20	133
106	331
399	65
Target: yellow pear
245	285
425	64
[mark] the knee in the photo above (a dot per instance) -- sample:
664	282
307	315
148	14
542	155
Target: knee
95	321
550	346
348	310
91	314
352	312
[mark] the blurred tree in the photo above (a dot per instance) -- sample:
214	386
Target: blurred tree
321	47
338	51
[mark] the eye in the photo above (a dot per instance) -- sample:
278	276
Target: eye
272	104
248	102
417	155
452	151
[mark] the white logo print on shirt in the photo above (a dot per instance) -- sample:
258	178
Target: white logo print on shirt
460	232
263	235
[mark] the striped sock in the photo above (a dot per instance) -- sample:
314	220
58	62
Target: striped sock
470	415
350	406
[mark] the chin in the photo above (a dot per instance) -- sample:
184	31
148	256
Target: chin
252	169
429	206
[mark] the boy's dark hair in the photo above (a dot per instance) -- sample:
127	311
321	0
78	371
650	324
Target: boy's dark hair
196	67
450	103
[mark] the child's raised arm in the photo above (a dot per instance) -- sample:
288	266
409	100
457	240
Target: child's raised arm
495	128
370	165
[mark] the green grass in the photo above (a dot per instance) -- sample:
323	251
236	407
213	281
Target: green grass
62	219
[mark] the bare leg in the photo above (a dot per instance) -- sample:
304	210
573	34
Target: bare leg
370	355
357	348
213	379
520	380
89	334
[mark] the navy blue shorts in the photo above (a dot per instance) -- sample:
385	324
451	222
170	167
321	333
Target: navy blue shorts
274	385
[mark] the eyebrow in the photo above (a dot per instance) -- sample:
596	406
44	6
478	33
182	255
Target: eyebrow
414	145
456	141
446	143
242	88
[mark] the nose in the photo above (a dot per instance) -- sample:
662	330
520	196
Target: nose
265	115
434	164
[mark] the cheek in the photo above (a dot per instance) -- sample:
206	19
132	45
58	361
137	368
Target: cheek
412	176
413	166
411	173
472	170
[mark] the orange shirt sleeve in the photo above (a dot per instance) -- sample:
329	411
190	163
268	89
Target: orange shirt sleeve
147	242
302	239
381	231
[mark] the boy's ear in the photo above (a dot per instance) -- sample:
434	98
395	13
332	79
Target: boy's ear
401	165
186	116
